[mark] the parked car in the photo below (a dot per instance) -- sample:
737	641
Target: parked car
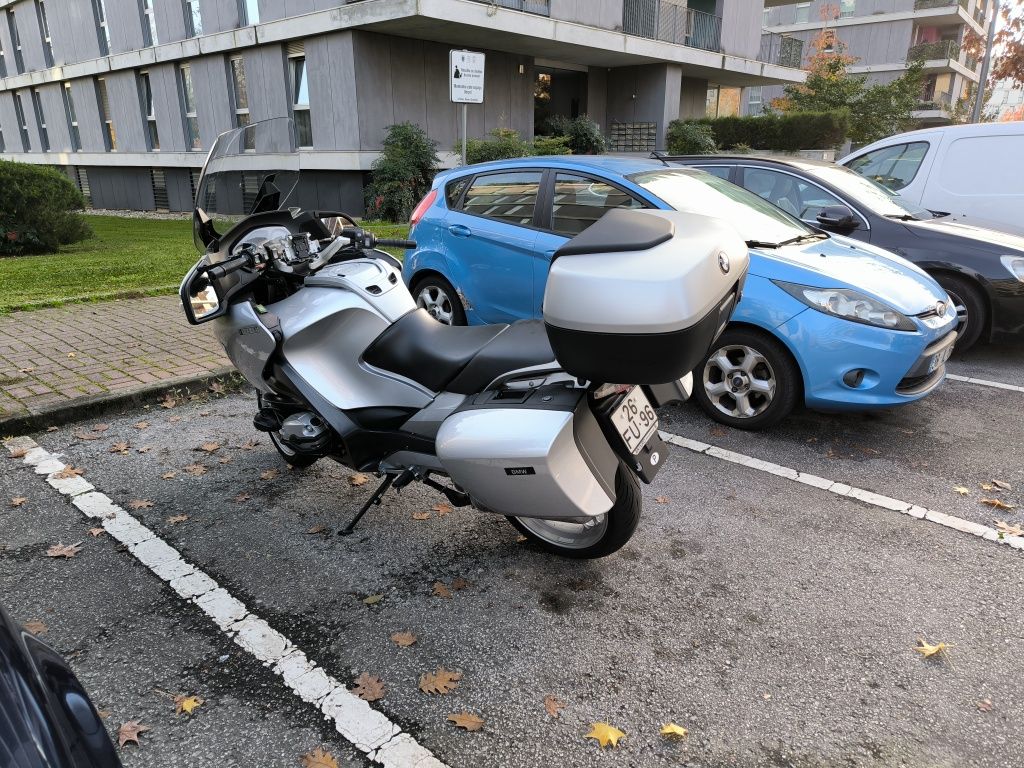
972	173
827	320
981	269
46	717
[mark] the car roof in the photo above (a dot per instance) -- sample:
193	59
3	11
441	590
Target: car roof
802	163
620	165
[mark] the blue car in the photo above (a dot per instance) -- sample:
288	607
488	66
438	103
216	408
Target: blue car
830	321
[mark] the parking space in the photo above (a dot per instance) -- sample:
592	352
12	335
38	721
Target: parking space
773	620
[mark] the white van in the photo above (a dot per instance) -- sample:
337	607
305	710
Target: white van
974	173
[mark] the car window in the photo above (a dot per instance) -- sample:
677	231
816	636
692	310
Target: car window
579	202
721	171
793	195
895	166
453	191
509	197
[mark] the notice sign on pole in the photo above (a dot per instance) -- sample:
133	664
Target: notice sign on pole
466	69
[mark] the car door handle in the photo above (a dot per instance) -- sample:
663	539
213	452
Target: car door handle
460	231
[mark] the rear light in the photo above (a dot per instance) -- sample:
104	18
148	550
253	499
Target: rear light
421	209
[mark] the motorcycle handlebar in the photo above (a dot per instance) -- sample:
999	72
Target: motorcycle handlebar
222	270
405	244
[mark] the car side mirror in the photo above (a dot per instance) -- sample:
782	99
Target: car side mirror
837	217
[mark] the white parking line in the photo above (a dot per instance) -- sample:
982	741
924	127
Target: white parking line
367	729
849	491
984	382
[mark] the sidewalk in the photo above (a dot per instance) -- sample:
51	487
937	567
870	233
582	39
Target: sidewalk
83	354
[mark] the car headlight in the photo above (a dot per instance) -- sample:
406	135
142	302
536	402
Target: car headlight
1015	265
849	305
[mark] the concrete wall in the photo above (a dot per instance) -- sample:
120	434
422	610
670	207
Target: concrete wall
741	28
213	97
170	20
650	93
126	111
73	31
56	121
163	79
597	13
787	14
83	91
693	95
9	122
219	15
31	40
124	21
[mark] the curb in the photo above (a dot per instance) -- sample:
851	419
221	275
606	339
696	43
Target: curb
94	405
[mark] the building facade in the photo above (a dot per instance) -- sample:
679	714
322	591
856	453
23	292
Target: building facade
128	95
1006	101
884	35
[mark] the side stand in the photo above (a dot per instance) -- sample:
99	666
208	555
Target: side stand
373	500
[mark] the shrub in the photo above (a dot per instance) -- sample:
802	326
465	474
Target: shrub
503	145
551	145
39	209
402	174
688	138
787	132
583	134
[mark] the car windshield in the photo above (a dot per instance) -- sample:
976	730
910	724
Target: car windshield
868	193
694	191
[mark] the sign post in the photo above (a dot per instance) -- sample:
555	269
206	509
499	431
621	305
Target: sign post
466	72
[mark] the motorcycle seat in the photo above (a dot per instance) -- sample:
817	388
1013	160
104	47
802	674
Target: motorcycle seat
461	359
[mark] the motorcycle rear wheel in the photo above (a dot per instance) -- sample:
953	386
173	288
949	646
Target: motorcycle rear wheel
598	538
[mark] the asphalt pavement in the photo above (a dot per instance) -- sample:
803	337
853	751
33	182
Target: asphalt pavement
773	620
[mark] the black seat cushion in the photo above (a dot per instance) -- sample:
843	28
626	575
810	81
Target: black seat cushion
522	345
420	348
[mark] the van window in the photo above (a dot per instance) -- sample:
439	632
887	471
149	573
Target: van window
508	197
961	174
895	166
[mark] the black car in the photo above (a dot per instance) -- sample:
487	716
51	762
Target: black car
982	270
46	717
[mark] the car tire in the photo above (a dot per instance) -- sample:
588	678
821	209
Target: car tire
970	307
436	295
749	380
617	527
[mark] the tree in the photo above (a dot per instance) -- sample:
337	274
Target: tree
1008	45
402	174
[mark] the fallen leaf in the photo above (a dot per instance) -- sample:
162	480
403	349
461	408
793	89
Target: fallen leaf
86	436
121	448
662	499
718	431
998	504
467	720
927	650
196	470
169	475
141	424
962	490
174	419
460	583
209	447
186	704
242	497
986	486
442	509
358	479
369	688
224	460
1009	530
521	539
64	550
421	515
130	732
25	370
605	734
1002	486
145	449
316	529
104	713
319	759
372	599
168	401
403	639
268	474
216	387
17	501
96	532
18	453
36	627
100	427
72	355
204	413
68	472
52	429
440	590
442	681
175	519
985	705
553	706
673	730
141	504
248	445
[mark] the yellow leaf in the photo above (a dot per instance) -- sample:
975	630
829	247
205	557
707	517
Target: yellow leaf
928	650
467	720
605	734
186	704
373	599
358	479
319	759
962	490
673	730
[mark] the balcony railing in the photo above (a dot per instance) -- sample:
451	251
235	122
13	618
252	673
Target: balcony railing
673	22
781	49
539	7
942	101
939	49
921	5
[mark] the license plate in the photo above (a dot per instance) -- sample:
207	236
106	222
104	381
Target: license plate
940	358
635	420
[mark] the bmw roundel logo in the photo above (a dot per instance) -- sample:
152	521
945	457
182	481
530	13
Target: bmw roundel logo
723	262
655	458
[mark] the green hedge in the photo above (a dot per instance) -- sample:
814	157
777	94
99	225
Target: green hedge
39	209
784	133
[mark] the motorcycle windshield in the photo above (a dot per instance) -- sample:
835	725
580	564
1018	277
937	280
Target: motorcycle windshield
252	169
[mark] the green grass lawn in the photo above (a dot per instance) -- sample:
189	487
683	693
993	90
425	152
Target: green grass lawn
123	258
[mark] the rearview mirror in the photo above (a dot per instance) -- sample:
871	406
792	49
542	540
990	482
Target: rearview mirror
837	217
203	299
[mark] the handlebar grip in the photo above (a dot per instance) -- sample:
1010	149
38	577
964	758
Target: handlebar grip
227	268
406	244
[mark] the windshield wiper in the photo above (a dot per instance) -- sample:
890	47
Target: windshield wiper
761	244
902	216
790	241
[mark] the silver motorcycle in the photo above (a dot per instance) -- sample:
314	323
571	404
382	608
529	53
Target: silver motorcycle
550	422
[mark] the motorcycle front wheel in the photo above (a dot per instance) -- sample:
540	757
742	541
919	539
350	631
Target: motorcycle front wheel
598	537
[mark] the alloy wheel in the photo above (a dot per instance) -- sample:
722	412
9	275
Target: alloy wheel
566	534
739	381
962	316
436	301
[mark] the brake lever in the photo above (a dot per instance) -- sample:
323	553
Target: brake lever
324	256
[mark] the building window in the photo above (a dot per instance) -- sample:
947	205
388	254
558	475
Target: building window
37	106
240	99
248	12
3	147
148	113
193	18
44	30
188	104
19	113
300	98
847	8
109	133
12	25
3	64
72	116
148	23
99	12
754	100
765	16
803	13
